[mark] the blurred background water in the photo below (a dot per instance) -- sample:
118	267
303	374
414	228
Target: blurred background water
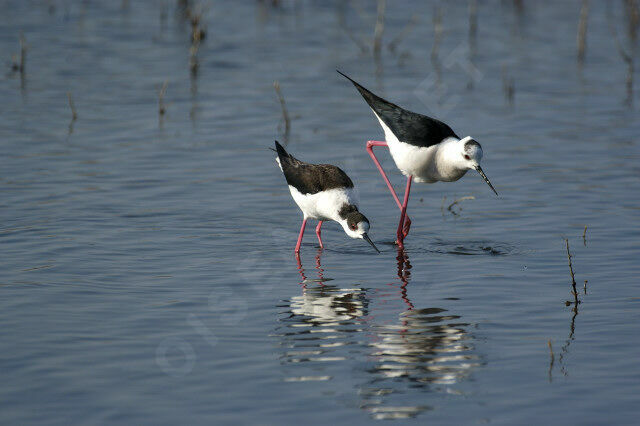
147	273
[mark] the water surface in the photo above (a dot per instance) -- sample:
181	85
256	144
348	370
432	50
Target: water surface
147	268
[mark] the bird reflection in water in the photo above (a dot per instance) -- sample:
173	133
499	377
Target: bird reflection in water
319	271
330	331
320	326
326	304
424	350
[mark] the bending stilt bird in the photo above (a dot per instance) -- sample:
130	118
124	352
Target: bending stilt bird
323	192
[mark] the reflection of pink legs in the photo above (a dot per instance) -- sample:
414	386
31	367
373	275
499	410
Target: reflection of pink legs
318	230
319	267
403	214
404	273
320	279
304	223
370	145
301	271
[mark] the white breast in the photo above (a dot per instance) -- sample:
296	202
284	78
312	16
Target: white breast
323	205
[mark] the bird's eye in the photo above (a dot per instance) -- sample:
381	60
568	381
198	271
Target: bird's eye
353	226
466	157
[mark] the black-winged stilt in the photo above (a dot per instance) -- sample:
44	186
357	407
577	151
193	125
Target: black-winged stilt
423	148
323	192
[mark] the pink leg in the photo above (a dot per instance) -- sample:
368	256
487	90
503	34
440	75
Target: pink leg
318	230
304	223
370	145
403	214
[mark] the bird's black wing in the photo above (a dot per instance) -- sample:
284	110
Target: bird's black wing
311	178
410	127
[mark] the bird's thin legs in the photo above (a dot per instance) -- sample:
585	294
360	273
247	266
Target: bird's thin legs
318	230
403	214
304	223
370	145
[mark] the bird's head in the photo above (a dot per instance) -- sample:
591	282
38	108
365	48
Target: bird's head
356	225
470	153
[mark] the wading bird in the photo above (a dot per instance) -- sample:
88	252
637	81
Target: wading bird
323	192
424	149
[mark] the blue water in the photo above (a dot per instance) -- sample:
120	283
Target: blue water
147	273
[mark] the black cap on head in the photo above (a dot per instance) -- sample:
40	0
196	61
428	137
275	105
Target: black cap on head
354	218
471	143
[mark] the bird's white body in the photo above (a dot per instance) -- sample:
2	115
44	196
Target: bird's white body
426	164
324	205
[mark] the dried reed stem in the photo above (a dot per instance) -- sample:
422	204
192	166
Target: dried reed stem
356	40
361	44
633	15
379	28
285	113
393	44
74	114
193	59
161	107
19	61
552	359
459	200
627	58
473	26
582	30
197	32
437	34
508	86
23	53
574	291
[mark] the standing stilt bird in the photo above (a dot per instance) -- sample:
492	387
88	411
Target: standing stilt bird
323	192
423	148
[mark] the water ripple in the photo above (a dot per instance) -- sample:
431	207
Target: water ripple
323	330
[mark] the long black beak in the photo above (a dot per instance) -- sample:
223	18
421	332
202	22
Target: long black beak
486	179
367	239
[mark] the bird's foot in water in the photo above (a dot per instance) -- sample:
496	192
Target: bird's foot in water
406	227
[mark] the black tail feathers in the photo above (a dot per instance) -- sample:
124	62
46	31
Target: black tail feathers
282	153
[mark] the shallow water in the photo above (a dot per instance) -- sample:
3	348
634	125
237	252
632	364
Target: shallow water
147	273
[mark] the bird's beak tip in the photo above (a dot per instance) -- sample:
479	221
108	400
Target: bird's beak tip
486	179
367	239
